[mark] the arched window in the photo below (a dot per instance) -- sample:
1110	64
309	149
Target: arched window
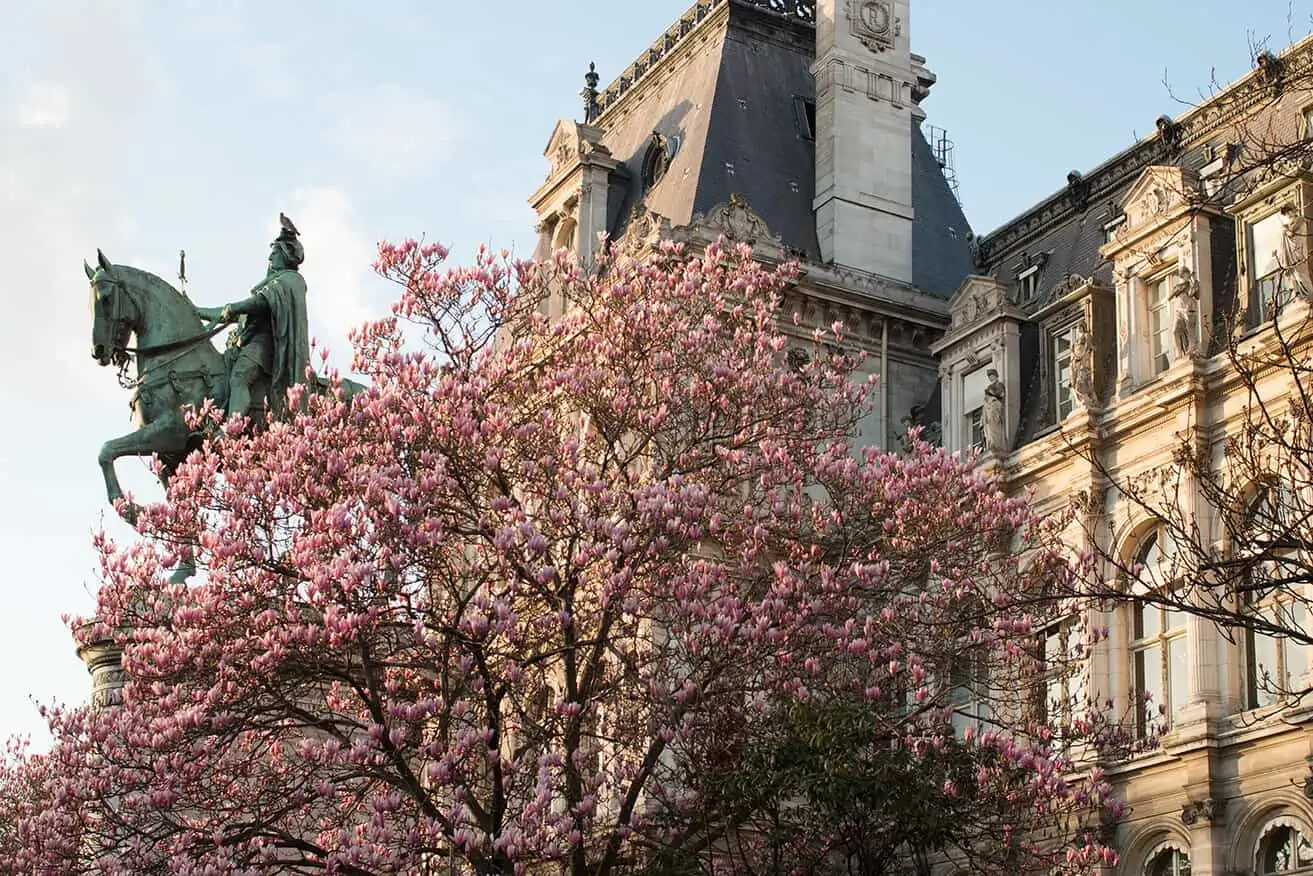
1159	667
1283	848
1167	860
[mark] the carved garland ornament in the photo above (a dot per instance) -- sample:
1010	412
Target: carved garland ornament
874	23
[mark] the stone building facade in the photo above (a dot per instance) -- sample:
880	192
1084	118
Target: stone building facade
1106	310
1068	345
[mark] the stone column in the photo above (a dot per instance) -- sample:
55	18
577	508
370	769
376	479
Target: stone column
1126	325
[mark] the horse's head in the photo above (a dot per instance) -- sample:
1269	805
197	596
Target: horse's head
113	313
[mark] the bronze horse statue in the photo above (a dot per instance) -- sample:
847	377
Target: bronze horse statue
176	365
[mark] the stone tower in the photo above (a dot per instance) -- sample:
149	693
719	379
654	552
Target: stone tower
868	87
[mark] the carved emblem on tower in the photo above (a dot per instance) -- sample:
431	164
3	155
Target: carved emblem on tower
874	23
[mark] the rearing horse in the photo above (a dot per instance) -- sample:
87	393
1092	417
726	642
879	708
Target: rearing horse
176	364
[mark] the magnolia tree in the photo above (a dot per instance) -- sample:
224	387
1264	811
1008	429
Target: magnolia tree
613	591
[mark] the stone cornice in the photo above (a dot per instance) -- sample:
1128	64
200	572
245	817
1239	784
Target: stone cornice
1189	129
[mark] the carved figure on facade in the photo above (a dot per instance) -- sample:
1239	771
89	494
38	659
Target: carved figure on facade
1185	310
1082	366
993	418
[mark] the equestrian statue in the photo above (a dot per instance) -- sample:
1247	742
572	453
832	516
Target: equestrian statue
176	365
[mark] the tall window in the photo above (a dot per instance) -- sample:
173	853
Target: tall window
1269	288
1062	372
1168	861
1027	284
1062	655
1274	663
1158	648
1283	849
973	406
969	697
1160	325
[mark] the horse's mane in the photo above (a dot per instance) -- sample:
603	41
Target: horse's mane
146	278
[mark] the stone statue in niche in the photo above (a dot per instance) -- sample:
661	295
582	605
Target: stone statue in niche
1082	366
1185	310
993	418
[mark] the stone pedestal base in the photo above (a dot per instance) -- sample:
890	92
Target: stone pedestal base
104	660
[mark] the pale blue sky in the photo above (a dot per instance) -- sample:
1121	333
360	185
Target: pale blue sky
149	127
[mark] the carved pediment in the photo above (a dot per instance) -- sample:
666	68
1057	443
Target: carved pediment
737	222
1159	191
571	144
977	299
644	232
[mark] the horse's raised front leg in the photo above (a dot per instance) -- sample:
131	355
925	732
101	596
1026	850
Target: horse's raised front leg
168	435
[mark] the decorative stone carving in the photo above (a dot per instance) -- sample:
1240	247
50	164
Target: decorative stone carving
1159	190
645	231
993	418
874	23
736	221
1209	809
570	144
1185	309
977	300
1068	284
1082	366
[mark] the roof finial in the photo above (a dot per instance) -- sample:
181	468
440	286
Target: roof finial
589	94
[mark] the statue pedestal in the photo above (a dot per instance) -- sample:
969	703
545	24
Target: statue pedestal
104	660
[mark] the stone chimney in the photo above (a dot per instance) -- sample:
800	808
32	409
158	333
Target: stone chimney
868	85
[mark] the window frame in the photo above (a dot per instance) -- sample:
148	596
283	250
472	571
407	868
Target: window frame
1068	677
1159	360
1027	284
1302	846
969	696
1264	306
1063	394
1170	855
1263	517
1162	639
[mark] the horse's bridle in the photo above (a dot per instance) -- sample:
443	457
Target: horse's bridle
121	354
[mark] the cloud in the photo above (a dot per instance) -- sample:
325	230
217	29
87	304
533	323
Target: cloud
43	105
397	132
341	293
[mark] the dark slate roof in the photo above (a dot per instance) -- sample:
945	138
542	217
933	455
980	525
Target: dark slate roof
757	147
941	250
735	108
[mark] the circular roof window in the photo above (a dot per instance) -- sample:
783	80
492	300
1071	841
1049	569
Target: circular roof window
656	160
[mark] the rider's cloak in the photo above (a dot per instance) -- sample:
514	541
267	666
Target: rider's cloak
285	293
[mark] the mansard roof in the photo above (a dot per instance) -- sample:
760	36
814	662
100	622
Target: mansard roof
727	87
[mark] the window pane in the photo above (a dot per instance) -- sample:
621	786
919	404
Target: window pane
1148	621
1265	238
1149	680
1263	668
1178	675
1296	652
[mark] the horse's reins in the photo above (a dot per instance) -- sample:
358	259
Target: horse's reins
183	345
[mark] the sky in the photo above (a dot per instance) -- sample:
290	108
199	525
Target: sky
144	128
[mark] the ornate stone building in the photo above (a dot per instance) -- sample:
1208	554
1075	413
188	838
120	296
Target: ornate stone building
794	126
1106	311
1069	345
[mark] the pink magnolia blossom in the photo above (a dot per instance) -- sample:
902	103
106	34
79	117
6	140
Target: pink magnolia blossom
511	604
